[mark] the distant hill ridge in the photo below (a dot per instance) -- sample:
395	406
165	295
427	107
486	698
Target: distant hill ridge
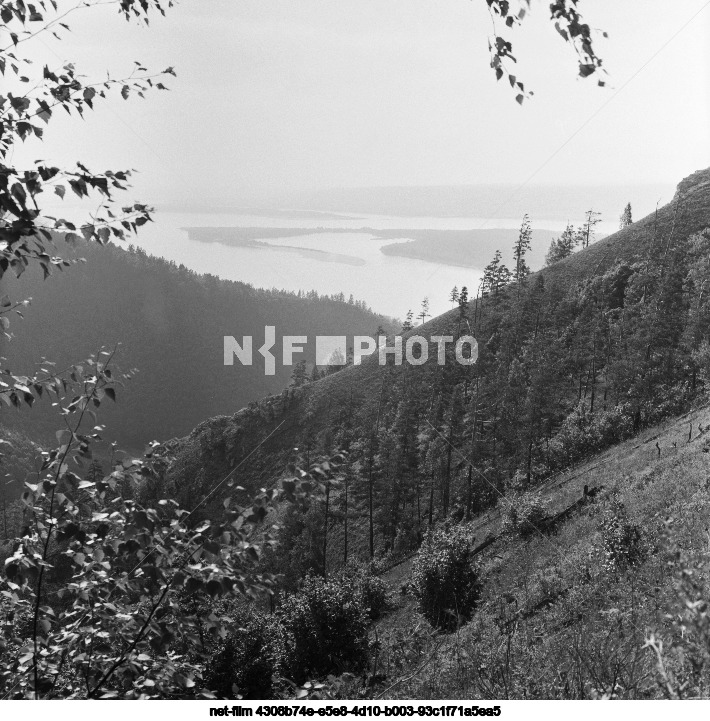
170	322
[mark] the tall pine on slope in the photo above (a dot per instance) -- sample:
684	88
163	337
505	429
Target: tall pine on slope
521	247
626	219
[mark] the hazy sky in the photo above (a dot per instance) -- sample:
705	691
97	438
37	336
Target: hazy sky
290	94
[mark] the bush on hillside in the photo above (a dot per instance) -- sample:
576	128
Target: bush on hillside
370	590
247	660
445	579
583	433
621	541
524	513
325	630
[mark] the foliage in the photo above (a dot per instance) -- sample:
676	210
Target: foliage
325	630
621	541
583	432
33	96
683	662
563	246
524	513
445	579
368	589
520	249
93	591
568	23
626	217
246	662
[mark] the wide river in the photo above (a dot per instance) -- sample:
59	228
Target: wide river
347	262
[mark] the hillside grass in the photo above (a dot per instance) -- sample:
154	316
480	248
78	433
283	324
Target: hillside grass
554	622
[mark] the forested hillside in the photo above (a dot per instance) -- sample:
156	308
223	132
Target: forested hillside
575	357
170	324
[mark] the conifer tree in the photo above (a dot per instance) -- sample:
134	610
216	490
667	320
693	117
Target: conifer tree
408	322
626	219
586	232
563	246
490	272
463	307
521	247
299	376
424	312
454	296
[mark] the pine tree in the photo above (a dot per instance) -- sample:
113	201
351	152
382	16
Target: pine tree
586	232
299	376
626	219
408	322
490	272
424	312
496	274
563	246
463	308
504	277
521	247
463	301
454	296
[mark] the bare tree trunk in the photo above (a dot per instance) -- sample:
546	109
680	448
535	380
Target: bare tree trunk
345	543
371	479
325	530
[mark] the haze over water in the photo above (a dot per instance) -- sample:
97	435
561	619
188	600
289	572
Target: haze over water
329	263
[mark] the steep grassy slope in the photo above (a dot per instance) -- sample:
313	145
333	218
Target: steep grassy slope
557	619
688	212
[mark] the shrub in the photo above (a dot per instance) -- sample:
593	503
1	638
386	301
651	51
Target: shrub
325	630
247	660
524	514
621	542
583	432
370	590
445	580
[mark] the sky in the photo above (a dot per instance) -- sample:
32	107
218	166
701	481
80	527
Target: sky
277	95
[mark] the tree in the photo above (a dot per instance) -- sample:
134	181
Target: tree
463	308
496	274
562	247
521	247
123	570
454	296
33	97
335	362
445	579
586	232
568	23
424	312
299	376
408	324
490	273
625	219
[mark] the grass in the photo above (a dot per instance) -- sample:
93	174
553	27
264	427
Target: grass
553	622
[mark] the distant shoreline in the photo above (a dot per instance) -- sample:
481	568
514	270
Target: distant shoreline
471	248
